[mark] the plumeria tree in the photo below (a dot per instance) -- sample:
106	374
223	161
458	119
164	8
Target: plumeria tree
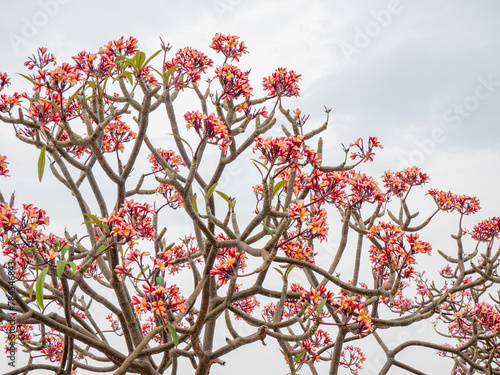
235	277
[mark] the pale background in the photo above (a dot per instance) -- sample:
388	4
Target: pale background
424	77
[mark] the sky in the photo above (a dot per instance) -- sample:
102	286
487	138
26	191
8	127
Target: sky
422	76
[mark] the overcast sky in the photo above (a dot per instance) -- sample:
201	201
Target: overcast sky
422	76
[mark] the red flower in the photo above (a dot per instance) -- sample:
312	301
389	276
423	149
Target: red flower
400	182
448	202
41	60
7	102
394	253
282	83
227	267
364	155
191	64
3	166
352	358
234	82
116	133
210	128
486	230
4	80
229	46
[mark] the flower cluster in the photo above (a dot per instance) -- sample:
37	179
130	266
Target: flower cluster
103	64
41	112
3	166
363	189
282	83
393	254
289	152
234	82
53	349
170	161
175	258
173	198
115	324
361	153
246	305
41	60
228	264
229	46
351	358
328	187
210	128
23	240
297	249
131	222
300	120
122	47
59	80
4	80
169	157
488	317
158	299
246	108
116	133
486	230
291	306
7	102
190	64
353	316
311	221
319	340
18	333
448	202
148	326
401	182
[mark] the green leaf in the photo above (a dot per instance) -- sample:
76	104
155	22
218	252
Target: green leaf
41	163
261	174
101	249
194	204
153	56
60	264
125	63
321	305
269	230
278	187
139	58
168	73
289	269
261	163
280	271
27	77
73	97
128	76
175	337
224	196
183	140
31	290
39	286
64	249
299	357
95	219
284	355
210	191
53	104
73	266
160	281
